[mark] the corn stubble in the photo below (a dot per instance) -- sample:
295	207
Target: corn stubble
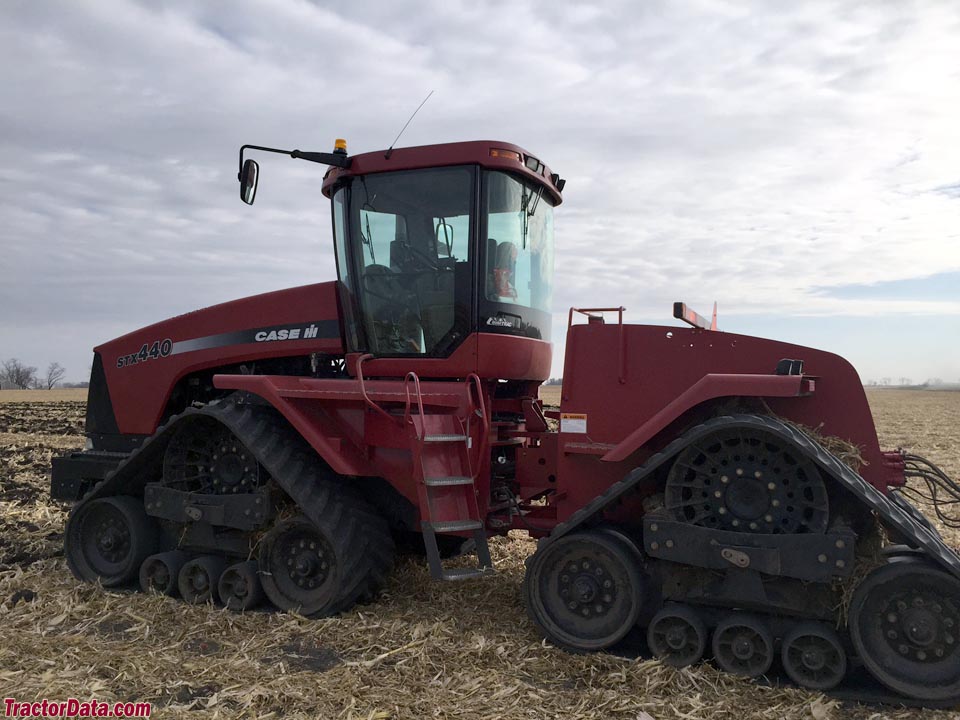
424	649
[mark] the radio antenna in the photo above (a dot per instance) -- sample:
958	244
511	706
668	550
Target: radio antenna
389	151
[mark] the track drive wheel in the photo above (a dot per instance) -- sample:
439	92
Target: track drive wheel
204	456
240	587
813	656
159	572
905	625
677	635
747	481
585	590
743	645
198	579
107	540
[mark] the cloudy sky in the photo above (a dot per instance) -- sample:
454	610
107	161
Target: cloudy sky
797	162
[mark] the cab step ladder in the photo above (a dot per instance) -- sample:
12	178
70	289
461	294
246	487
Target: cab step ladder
446	471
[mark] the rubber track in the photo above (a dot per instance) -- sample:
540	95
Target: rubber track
361	536
891	511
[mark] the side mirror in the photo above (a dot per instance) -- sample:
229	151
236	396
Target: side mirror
248	181
444	238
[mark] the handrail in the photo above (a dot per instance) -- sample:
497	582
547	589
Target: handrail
587	311
406	388
363	389
623	346
474	380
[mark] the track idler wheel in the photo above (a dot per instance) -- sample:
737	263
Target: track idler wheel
107	540
743	645
585	590
905	625
240	587
299	568
813	656
677	636
198	579
159	573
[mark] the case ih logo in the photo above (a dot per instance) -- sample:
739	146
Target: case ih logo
163	348
294	333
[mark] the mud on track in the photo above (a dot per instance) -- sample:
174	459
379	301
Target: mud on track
424	649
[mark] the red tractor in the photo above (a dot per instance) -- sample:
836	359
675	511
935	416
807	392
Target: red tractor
281	444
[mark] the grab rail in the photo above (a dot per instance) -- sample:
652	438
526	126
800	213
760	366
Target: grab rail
473	380
363	389
599	318
406	388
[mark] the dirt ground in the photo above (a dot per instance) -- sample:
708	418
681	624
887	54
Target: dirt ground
424	649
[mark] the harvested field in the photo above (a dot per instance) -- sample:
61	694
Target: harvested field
43	396
424	649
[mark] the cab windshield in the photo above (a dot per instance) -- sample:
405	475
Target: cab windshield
414	279
410	258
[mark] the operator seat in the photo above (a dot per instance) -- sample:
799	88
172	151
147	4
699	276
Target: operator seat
431	279
501	281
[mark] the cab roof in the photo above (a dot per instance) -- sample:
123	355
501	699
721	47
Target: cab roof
491	154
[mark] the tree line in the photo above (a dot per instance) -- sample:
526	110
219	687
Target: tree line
20	376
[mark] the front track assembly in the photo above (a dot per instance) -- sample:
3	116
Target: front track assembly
190	513
744	561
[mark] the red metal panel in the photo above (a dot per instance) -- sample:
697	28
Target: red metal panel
335	418
327	424
488	355
706	388
140	390
665	375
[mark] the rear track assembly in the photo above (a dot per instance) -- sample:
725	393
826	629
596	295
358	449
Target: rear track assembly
751	487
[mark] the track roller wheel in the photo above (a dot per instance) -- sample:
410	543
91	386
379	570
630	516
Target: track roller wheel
677	636
585	590
743	645
905	625
813	656
198	578
107	540
240	587
159	572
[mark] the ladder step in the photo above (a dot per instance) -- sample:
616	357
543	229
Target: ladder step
447	481
456	526
466	573
444	438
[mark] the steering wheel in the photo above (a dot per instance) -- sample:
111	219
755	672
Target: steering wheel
414	252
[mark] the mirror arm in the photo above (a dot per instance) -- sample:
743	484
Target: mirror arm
336	159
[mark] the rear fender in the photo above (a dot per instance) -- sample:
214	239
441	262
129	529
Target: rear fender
711	387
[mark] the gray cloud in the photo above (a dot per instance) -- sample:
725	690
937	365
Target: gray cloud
751	154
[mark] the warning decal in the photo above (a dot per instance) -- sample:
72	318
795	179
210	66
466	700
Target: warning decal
573	422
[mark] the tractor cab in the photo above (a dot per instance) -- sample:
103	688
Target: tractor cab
440	245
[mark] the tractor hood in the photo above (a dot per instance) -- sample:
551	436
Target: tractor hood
134	375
